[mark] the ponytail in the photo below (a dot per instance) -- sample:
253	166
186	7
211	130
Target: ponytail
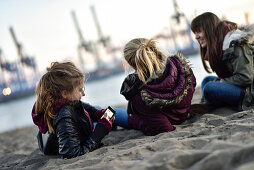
144	56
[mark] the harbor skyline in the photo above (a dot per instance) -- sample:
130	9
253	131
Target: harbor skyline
46	30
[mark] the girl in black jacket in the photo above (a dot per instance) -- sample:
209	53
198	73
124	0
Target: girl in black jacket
65	123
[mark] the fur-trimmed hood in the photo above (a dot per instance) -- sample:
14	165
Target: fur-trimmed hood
244	34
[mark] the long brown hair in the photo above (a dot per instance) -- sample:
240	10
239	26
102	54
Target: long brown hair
208	23
59	77
222	29
144	56
214	30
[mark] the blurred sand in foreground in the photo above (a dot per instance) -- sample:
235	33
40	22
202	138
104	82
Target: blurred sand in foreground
222	139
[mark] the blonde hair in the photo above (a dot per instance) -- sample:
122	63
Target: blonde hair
59	77
143	55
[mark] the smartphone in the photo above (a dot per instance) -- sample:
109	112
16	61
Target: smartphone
110	113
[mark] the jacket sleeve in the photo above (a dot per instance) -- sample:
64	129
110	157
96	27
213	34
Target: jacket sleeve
94	113
242	65
69	142
89	108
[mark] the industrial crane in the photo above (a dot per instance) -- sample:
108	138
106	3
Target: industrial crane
82	43
177	17
3	81
8	66
88	46
26	60
105	40
178	14
102	39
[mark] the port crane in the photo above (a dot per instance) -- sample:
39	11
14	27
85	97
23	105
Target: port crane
7	66
104	40
25	59
177	16
82	43
88	46
16	84
94	47
25	80
3	81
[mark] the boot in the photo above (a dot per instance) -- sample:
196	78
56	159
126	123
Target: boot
201	108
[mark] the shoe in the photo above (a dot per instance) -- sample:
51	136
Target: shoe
202	101
201	108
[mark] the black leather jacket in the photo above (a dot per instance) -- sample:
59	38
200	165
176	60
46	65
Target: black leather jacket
74	135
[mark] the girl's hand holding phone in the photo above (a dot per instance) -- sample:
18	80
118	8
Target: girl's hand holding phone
109	114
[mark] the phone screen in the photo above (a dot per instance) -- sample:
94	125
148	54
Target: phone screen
110	113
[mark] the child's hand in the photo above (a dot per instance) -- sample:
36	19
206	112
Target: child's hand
106	117
113	119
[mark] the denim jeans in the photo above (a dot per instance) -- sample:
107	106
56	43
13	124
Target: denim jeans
121	117
219	93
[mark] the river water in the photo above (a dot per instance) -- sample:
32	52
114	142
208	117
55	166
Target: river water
17	114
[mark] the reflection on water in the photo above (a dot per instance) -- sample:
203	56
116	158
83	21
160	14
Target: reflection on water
17	114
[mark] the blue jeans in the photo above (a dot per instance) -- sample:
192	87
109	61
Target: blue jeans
219	93
121	117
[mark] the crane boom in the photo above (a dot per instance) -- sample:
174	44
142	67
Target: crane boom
96	22
104	40
81	38
83	44
27	60
178	14
1	56
17	44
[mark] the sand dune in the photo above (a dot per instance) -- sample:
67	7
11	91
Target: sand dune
222	139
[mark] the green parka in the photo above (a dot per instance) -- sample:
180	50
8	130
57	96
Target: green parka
238	55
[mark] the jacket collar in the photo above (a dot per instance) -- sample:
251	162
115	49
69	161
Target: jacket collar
244	34
39	119
131	86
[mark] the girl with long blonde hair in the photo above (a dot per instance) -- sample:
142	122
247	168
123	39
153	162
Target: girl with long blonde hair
159	93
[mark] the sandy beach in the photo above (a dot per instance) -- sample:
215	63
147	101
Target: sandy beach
221	139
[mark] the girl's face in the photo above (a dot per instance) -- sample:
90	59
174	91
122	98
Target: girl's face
200	37
76	94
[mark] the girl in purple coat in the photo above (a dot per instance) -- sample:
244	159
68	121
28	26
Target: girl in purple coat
159	93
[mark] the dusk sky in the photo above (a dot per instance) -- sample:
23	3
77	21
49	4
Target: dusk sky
46	30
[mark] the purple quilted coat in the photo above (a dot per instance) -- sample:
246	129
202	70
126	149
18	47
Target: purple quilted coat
162	102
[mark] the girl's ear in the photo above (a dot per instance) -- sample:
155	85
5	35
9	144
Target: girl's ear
64	94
